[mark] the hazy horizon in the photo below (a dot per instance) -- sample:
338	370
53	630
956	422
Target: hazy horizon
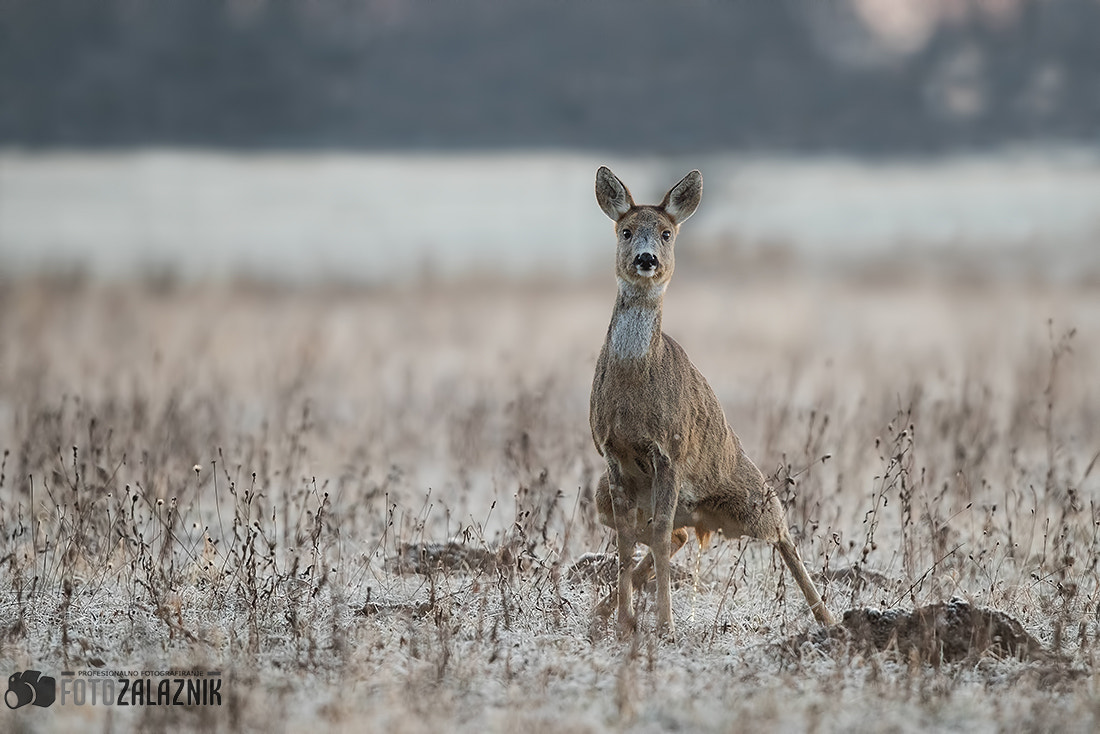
387	217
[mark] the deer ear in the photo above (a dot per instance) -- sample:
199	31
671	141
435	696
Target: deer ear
682	199
611	194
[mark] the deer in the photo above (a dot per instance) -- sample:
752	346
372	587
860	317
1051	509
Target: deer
673	462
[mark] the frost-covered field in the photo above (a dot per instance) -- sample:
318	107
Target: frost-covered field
264	481
374	217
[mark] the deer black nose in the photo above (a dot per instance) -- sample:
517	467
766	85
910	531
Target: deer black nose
646	261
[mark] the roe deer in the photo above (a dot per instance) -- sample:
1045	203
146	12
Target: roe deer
672	460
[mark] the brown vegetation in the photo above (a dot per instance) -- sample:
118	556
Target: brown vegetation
364	506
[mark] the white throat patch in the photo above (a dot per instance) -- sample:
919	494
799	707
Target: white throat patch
632	332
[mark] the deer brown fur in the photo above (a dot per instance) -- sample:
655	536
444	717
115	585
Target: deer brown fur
673	462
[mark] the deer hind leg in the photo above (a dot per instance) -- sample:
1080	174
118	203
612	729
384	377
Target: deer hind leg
771	525
793	560
643	572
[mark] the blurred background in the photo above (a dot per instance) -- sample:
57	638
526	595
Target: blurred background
376	141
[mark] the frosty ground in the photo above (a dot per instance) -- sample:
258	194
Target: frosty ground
371	508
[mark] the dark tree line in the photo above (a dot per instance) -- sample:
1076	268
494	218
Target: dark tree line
607	74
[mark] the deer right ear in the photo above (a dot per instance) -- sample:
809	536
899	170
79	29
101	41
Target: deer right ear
612	195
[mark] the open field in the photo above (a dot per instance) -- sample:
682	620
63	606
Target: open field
380	218
369	508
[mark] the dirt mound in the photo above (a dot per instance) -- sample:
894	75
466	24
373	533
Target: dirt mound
944	632
413	611
857	577
603	568
425	558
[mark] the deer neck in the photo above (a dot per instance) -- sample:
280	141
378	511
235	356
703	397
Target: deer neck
635	331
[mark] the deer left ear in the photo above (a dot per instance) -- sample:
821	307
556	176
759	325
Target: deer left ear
683	198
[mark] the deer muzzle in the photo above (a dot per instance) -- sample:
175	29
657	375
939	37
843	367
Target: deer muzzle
646	264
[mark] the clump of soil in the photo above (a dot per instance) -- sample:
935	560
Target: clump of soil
857	577
414	611
425	558
944	632
603	568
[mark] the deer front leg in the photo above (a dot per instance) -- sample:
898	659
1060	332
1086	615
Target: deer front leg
665	496
625	511
643	572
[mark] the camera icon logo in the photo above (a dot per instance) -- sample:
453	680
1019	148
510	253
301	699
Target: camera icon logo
30	686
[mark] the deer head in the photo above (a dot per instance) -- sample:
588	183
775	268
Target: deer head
646	234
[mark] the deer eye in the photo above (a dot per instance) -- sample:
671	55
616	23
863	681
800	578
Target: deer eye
626	234
666	234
